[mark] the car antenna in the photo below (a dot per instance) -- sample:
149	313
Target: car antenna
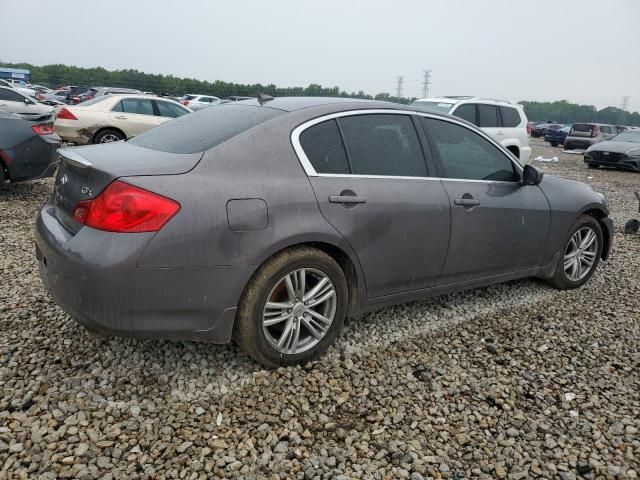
262	98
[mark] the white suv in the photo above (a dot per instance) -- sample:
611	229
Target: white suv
198	102
503	121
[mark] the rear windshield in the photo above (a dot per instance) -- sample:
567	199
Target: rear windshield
627	137
443	107
202	130
94	100
582	127
190	97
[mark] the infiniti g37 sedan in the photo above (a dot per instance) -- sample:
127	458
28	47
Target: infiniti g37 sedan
268	221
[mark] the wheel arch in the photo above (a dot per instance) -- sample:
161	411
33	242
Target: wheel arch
102	129
347	262
599	215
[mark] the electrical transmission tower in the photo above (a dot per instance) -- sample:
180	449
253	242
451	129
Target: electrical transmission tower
625	103
426	82
399	87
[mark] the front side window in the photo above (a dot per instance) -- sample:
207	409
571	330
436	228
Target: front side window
10	96
510	117
467	112
383	144
324	149
140	106
463	154
167	109
487	116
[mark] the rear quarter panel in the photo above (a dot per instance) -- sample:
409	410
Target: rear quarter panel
258	164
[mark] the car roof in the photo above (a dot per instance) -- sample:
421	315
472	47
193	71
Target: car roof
291	104
468	99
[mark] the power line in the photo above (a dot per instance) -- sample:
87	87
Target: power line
399	86
426	82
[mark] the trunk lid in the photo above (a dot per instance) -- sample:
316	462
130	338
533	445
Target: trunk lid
83	172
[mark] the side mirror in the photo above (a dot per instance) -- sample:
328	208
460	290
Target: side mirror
531	175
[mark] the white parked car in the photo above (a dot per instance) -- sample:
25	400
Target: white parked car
503	121
198	102
18	88
11	100
110	118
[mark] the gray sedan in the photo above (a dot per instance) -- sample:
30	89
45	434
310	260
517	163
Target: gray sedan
269	221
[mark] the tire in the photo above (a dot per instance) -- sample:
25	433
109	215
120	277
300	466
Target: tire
269	283
554	144
561	279
108	135
592	165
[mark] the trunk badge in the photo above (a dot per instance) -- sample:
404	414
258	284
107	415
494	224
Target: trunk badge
64	179
87	191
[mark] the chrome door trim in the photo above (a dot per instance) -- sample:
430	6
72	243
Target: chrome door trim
311	172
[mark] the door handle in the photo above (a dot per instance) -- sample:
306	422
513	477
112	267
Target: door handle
346	199
121	117
466	202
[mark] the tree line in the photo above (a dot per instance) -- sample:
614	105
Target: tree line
57	75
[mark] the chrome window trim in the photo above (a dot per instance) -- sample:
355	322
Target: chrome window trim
311	172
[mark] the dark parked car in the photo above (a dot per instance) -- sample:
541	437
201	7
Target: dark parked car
556	136
541	129
75	94
27	149
271	222
622	151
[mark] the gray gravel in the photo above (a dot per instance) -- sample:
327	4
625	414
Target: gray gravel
513	381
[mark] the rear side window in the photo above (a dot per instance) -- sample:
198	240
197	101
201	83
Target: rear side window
137	105
467	112
463	154
510	117
487	116
204	129
383	144
324	149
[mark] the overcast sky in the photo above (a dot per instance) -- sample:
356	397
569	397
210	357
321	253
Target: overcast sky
586	51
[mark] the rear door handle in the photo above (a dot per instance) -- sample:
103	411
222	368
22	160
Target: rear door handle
121	117
466	202
346	199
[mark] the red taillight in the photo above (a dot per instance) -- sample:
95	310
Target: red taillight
124	208
185	103
66	115
594	131
42	129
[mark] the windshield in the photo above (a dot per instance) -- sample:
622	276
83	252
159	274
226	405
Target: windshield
627	137
434	106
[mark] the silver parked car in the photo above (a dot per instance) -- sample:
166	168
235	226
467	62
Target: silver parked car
271	220
583	135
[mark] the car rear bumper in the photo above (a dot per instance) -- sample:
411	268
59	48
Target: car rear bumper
72	133
525	155
93	276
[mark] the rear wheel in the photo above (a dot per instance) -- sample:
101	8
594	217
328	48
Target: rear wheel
580	255
592	165
554	144
293	308
108	135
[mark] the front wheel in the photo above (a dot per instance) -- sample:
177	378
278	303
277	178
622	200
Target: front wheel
554	144
580	255
293	308
592	165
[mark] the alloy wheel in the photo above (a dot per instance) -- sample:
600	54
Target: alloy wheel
580	254
299	311
109	137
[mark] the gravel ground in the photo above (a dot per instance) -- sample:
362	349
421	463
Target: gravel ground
512	381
